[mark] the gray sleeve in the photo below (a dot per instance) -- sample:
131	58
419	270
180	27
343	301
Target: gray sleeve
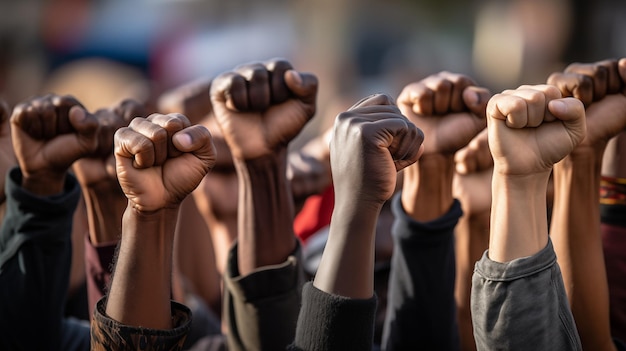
521	305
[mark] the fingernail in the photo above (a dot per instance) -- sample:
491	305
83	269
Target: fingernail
80	113
296	76
558	107
184	140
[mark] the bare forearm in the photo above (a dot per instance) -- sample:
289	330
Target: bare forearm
265	214
577	242
427	188
141	285
105	205
519	225
348	260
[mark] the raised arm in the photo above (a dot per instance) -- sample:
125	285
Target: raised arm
575	228
518	298
450	109
49	133
159	161
260	108
370	143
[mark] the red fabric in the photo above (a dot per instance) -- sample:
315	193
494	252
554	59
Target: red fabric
614	243
315	214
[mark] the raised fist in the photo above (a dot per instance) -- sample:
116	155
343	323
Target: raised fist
262	107
161	159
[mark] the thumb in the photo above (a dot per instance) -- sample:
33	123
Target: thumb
85	124
476	99
571	112
197	140
303	85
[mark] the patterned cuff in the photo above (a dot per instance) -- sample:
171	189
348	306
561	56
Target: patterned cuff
108	334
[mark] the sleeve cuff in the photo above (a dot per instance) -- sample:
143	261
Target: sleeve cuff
407	228
108	334
518	268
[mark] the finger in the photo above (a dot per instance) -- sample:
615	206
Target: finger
614	83
464	163
404	141
197	140
230	89
442	89
279	92
550	93
135	146
573	85
302	85
31	122
535	105
419	98
572	112
373	100
48	117
598	75
129	109
156	135
108	123
172	123
62	105
476	99
459	84
258	88
85	125
509	108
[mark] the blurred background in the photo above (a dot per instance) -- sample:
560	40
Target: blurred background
103	51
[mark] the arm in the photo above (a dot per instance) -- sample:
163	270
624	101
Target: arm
472	186
575	228
105	202
370	143
159	161
49	133
260	108
518	298
421	312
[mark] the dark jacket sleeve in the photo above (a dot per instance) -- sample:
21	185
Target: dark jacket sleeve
421	309
332	322
108	334
261	308
35	255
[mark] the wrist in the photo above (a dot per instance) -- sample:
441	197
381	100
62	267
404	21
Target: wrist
427	187
519	226
43	185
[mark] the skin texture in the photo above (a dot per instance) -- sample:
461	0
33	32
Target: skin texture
159	161
576	217
548	127
371	142
472	186
260	108
49	133
96	174
450	109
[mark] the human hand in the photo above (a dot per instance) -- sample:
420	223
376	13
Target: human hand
601	87
449	108
371	142
192	99
261	107
531	128
472	179
161	159
100	165
50	133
